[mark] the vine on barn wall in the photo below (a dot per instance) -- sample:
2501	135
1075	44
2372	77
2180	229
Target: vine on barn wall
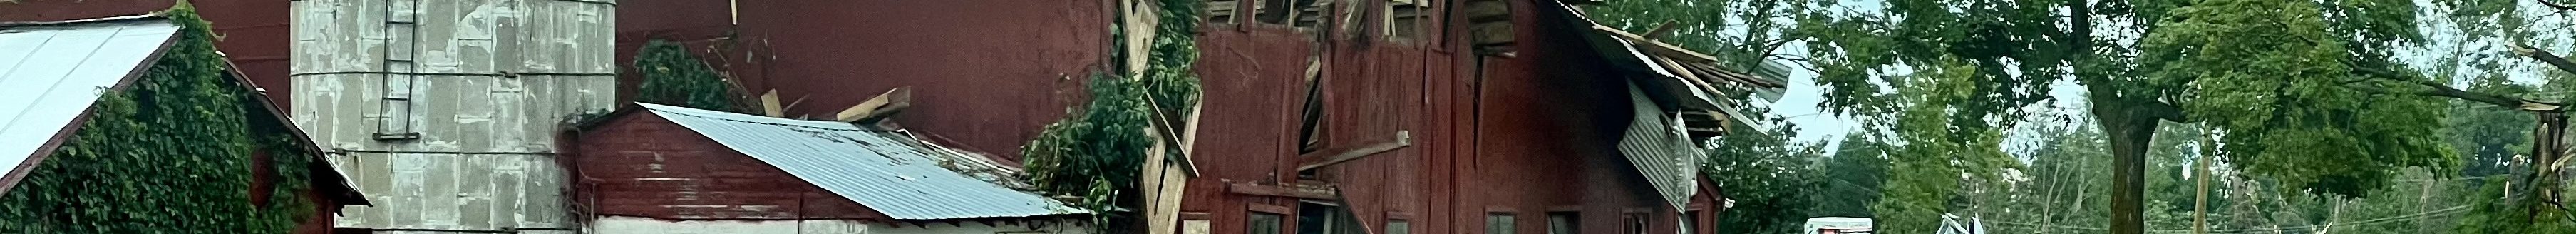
169	154
673	76
1096	152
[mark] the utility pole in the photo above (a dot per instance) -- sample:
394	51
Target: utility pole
2200	204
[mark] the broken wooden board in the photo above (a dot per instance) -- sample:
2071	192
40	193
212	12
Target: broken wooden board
877	108
769	105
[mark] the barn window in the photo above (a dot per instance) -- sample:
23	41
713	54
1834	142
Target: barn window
1299	13
1264	223
1489	26
1636	222
1221	11
1690	221
1405	18
1399	226
1498	223
1564	222
1320	217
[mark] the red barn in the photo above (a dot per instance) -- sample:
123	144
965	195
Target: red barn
1426	116
1406	116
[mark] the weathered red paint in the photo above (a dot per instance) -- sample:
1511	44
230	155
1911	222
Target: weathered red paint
254	31
637	164
1529	134
987	73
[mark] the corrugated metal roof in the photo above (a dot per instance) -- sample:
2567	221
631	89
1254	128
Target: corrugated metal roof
50	73
1657	146
885	170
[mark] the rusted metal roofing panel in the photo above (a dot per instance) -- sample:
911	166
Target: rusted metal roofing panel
1657	146
50	73
887	171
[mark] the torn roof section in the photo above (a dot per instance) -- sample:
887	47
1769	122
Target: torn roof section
1692	84
886	170
1680	99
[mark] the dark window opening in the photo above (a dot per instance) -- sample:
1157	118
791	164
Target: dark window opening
1405	19
1690	222
1264	223
1564	222
1498	223
1315	217
1221	11
1636	223
1300	13
1399	226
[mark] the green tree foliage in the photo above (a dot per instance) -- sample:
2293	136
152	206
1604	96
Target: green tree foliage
1769	176
1851	178
2487	136
169	154
1096	152
2303	93
676	77
2495	211
1939	159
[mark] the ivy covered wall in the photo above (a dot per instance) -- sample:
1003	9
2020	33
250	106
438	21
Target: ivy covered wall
173	152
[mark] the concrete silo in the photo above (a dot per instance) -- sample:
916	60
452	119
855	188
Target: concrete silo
443	111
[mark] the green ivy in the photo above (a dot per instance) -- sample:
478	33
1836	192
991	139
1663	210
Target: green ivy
1094	153
166	155
674	76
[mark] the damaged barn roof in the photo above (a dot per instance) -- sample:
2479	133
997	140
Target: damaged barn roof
1687	82
887	171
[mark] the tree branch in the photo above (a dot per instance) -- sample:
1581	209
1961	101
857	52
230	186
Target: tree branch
2555	5
2544	56
2438	89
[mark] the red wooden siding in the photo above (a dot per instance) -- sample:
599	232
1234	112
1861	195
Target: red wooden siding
986	73
641	165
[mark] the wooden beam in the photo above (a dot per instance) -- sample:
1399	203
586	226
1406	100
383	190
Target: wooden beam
1330	157
1659	48
877	108
1326	192
1660	30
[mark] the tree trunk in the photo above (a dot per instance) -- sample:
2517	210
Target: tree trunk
2129	134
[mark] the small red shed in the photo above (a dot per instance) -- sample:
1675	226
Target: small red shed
653	168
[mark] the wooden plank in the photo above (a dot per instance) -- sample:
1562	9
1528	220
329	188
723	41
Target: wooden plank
878	107
1660	30
769	105
1659	48
1329	157
1248	188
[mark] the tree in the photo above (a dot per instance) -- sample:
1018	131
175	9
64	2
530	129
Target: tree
1768	175
676	77
1850	179
2303	93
